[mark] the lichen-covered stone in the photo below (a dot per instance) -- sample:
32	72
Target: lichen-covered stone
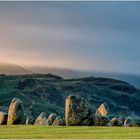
42	120
101	120
52	117
16	112
58	121
77	110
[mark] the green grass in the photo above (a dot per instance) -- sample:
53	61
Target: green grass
39	132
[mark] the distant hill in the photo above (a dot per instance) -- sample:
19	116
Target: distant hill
13	69
10	69
47	93
68	73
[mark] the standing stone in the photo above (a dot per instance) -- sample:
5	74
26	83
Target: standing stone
103	110
77	110
42	120
52	117
58	121
129	122
16	112
29	120
101	121
3	118
122	119
114	121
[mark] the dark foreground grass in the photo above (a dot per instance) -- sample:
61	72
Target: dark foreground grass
39	132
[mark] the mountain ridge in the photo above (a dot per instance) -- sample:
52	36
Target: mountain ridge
13	69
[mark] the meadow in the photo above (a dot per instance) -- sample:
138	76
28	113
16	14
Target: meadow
76	132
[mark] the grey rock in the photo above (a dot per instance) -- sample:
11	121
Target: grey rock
101	120
16	112
58	121
129	122
77	110
52	117
42	120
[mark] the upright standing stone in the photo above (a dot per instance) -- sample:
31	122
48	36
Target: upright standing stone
77	110
3	118
16	112
103	110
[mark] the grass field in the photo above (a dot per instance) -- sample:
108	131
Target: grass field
39	132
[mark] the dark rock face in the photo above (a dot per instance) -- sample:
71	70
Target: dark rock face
58	121
3	118
77	110
103	110
101	120
42	120
16	112
52	117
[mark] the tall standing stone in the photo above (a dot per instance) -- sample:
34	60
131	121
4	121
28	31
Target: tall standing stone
16	112
77	111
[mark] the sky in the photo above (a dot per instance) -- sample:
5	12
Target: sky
101	36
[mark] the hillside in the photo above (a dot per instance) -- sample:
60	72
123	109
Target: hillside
69	73
47	92
13	69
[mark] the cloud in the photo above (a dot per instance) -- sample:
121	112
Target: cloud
82	35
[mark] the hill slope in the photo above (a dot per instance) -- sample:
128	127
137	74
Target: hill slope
13	69
47	93
68	73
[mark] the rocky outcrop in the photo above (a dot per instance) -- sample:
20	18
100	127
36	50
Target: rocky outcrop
99	120
3	118
77	110
103	110
16	112
42	120
58	121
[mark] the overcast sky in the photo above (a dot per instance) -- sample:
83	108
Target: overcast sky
102	36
